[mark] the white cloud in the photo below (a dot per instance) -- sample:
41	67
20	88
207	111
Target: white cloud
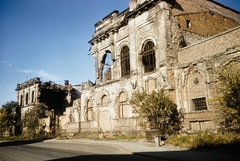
47	76
27	71
5	62
44	75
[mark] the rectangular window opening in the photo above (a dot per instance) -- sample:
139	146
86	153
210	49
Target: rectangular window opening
188	24
199	104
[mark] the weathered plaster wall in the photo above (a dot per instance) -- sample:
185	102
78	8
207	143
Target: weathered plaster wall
69	122
196	79
186	74
185	62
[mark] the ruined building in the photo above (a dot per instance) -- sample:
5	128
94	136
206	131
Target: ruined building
61	101
172	44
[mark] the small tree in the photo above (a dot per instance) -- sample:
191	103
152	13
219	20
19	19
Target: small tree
159	111
32	119
3	121
228	96
10	118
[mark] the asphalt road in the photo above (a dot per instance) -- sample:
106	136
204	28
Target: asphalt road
56	151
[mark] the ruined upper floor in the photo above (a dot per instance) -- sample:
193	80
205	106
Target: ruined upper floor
203	17
56	96
148	35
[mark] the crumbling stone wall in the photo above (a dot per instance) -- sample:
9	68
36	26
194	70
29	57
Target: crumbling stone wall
185	55
28	92
69	122
196	75
184	73
55	96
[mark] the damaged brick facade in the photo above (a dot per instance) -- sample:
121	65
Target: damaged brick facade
172	44
61	101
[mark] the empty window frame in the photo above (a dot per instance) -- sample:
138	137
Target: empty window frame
199	104
26	99
90	111
32	97
71	118
188	24
148	57
125	61
21	100
104	100
123	105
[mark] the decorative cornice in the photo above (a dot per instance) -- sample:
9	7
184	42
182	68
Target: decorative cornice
30	82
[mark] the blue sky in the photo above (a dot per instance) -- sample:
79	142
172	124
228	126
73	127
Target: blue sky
49	39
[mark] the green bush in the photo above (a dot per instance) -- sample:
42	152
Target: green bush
33	122
205	140
228	97
158	110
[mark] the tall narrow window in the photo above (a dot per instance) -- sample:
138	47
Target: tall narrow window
104	100
21	100
123	111
26	99
188	24
199	104
105	67
32	96
71	118
125	61
148	57
90	116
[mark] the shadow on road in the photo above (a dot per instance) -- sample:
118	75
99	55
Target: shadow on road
106	158
188	155
20	142
71	151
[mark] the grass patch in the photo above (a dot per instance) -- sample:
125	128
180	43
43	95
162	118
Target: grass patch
228	141
19	137
87	135
101	136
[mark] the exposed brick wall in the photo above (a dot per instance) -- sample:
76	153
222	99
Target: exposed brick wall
195	6
206	23
224	11
210	46
189	6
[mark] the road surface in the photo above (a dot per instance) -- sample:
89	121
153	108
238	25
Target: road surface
59	151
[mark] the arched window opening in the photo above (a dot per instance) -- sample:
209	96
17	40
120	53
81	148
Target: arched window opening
123	111
90	115
105	67
125	61
26	99
148	57
104	100
32	96
71	118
